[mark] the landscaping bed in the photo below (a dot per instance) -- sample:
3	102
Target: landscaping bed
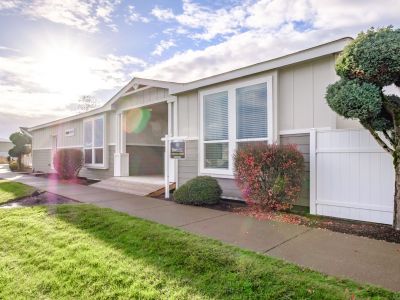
78	180
86	252
365	229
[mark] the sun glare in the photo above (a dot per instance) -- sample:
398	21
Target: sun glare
64	68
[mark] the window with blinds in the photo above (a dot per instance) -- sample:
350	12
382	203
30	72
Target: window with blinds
93	130
216	131
216	116
251	112
233	116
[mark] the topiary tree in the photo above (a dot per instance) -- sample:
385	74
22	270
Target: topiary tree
366	66
21	146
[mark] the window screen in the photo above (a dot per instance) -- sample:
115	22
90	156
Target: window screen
88	134
216	155
98	132
251	112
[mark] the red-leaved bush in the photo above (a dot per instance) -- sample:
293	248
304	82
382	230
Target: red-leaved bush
68	163
269	175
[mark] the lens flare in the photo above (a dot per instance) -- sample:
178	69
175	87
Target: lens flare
137	120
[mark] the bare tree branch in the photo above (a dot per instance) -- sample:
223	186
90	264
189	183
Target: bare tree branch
378	138
389	138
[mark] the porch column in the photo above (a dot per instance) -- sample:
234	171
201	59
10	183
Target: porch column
121	158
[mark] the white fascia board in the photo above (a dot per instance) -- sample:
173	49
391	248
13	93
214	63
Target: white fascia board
71	118
108	105
300	56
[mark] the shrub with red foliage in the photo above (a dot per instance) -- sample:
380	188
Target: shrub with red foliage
68	162
269	175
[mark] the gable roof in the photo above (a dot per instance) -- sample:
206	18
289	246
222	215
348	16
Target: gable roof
292	58
175	88
108	105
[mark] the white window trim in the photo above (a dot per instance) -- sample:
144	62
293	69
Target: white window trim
232	141
105	152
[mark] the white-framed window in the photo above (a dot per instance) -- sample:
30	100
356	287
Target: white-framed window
94	141
231	116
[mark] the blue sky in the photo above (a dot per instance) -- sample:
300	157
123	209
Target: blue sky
54	51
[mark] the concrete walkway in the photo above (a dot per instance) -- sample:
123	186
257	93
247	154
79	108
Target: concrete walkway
361	259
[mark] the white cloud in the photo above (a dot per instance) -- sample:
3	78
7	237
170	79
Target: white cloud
133	16
55	83
163	14
83	15
268	29
9	4
162	46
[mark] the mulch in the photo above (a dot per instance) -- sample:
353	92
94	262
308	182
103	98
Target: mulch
359	228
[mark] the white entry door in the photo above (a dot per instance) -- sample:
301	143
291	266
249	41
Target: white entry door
53	150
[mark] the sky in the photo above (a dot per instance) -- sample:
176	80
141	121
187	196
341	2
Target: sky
54	51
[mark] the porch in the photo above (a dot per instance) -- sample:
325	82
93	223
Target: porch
140	158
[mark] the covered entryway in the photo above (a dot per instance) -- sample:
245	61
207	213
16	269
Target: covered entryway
143	117
351	176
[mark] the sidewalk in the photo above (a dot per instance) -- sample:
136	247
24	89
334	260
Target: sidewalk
361	259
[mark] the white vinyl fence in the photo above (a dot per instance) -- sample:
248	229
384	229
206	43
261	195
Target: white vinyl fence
351	176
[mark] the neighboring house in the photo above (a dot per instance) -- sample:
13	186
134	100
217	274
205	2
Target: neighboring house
276	101
5	145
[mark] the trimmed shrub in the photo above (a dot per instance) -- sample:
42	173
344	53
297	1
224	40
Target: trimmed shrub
269	175
68	163
13	165
199	191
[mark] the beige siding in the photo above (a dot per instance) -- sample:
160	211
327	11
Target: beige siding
41	138
188	115
301	95
142	98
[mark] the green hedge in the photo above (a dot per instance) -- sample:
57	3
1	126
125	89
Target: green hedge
199	191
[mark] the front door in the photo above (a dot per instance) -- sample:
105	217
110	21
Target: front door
53	150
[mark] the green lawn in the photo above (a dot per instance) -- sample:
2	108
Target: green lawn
81	251
10	190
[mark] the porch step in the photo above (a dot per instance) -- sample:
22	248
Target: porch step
136	185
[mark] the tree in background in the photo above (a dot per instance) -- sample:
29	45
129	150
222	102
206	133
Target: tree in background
22	146
367	66
86	103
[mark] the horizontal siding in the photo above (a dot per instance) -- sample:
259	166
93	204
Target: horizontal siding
303	145
41	161
5	146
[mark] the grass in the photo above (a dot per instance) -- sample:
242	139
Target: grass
85	252
10	190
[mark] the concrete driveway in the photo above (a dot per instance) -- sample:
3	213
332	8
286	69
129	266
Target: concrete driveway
361	259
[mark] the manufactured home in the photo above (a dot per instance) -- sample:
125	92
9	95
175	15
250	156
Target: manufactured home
277	101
